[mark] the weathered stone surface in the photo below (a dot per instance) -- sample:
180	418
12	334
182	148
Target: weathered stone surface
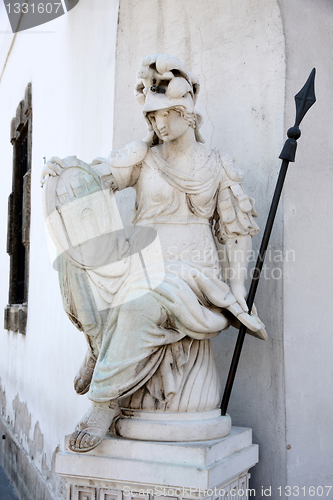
120	468
15	318
28	481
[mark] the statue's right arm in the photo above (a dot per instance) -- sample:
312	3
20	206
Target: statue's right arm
120	170
123	166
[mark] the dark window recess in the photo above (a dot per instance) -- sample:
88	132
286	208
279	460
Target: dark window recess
21	275
18	234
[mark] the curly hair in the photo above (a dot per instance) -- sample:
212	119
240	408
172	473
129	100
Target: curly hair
188	117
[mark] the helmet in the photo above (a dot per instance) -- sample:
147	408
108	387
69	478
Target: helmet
163	82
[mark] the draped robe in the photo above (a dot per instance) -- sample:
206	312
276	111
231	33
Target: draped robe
164	304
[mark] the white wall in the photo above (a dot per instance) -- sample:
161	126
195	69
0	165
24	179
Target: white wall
308	229
70	62
237	50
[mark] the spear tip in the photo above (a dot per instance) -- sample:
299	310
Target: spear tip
305	98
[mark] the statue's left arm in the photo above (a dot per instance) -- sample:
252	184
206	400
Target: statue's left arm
235	227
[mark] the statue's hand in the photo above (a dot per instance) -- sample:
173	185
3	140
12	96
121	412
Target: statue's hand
53	167
239	292
102	169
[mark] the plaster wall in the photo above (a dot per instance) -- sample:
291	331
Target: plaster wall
70	63
237	50
308	229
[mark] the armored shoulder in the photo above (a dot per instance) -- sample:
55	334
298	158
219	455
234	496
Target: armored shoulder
235	209
229	171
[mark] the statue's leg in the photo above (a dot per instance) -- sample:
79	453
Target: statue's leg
130	354
79	304
83	377
131	350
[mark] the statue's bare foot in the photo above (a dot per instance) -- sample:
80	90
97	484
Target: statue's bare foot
84	376
91	430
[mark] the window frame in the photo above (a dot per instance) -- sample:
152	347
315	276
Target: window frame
19	211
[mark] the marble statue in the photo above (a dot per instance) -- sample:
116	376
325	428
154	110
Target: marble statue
149	297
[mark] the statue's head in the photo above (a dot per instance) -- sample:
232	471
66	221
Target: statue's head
164	84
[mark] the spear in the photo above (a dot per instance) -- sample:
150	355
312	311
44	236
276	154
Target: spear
304	100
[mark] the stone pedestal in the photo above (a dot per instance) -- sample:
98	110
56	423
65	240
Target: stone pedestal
178	426
123	469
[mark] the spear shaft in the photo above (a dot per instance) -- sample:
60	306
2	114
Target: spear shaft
304	100
254	284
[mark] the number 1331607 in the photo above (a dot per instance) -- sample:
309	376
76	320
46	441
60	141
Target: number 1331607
305	491
33	8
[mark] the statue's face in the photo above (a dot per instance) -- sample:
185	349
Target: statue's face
168	124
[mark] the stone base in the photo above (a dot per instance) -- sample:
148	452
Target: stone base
173	427
121	469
